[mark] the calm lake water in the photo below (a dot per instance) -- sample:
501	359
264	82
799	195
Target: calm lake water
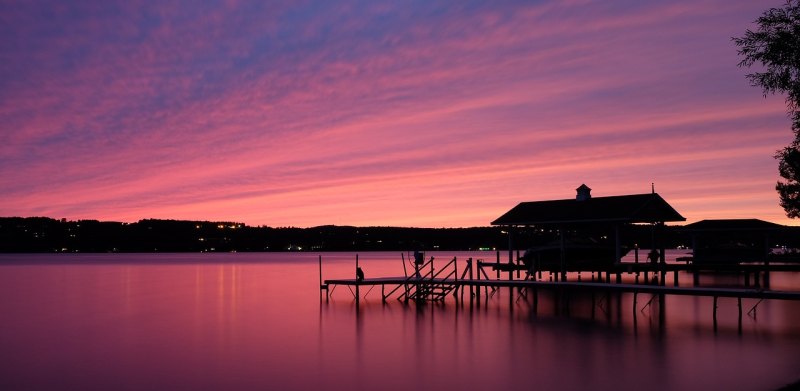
257	321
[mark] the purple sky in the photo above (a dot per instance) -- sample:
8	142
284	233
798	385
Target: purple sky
379	113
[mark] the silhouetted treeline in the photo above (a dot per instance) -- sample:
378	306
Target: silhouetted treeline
42	234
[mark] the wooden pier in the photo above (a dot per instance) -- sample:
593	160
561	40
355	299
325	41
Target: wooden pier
426	283
438	282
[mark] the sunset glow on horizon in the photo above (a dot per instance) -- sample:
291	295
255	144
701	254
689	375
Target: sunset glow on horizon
434	114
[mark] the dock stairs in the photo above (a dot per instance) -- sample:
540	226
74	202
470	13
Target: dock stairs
426	283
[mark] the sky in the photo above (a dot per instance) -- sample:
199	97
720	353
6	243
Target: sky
379	113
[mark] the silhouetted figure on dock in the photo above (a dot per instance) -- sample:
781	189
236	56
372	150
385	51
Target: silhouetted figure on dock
418	261
419	258
359	274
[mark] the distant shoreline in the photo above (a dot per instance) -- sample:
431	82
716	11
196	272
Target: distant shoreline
47	235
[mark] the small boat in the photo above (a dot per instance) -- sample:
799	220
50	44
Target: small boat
588	255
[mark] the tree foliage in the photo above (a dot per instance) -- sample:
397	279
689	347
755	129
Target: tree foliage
789	168
775	46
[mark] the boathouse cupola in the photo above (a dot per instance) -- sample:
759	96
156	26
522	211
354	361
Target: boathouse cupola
584	193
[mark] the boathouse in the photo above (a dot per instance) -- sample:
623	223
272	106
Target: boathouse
734	241
585	213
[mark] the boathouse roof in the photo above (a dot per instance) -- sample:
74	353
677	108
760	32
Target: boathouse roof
744	225
634	208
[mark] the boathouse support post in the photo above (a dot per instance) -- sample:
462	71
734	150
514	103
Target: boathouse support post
498	263
358	295
617	252
563	255
617	245
662	251
766	260
510	253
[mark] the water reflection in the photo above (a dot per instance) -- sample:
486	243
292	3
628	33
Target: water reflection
128	321
572	342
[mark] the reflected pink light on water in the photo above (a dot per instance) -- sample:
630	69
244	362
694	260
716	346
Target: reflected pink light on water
256	321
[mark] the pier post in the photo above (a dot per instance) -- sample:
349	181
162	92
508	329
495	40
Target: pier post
477	287
321	285
405	273
635	320
662	312
740	314
715	313
455	276
469	265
